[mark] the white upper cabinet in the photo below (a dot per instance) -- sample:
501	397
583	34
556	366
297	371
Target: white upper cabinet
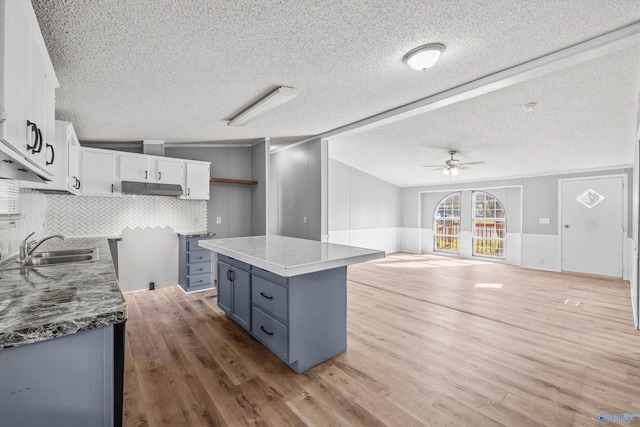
98	172
170	171
148	168
27	85
135	168
64	159
197	181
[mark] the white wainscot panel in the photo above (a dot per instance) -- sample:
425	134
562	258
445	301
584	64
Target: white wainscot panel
340	237
410	240
388	239
365	239
426	244
465	244
514	248
541	251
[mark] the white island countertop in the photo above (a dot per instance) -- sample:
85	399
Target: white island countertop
288	256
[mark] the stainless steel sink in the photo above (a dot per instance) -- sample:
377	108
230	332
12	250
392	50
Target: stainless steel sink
49	258
63	253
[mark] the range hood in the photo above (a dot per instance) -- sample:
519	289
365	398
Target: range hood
151	188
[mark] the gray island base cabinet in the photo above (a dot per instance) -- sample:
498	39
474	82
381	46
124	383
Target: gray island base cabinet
302	319
290	294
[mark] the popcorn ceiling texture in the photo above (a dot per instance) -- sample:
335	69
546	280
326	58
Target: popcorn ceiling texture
75	216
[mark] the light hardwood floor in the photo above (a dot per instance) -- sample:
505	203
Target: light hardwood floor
425	347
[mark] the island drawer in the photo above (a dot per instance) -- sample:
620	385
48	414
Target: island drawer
270	332
200	267
270	297
269	275
204	255
193	244
234	262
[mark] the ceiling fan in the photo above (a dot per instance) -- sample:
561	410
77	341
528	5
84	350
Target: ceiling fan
453	166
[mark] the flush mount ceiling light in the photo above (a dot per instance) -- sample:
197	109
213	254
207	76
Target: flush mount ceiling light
264	105
529	107
422	58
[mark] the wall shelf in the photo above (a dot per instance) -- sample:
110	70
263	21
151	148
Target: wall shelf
234	181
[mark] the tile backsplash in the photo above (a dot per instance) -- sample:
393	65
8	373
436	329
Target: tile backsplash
33	206
74	216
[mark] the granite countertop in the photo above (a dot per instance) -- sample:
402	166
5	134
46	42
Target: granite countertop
47	302
196	233
288	256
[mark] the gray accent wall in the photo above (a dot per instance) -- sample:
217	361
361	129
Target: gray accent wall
259	191
539	200
230	202
295	191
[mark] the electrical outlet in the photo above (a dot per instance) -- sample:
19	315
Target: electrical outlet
218	220
544	221
540	260
152	286
304	219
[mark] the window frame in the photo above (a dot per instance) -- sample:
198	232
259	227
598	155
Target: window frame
452	240
493	245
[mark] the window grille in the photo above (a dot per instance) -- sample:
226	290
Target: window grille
446	228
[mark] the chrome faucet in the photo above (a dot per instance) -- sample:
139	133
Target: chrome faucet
27	247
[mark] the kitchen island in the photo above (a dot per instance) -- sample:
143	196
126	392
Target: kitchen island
290	294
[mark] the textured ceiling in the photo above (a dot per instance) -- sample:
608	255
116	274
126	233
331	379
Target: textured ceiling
177	70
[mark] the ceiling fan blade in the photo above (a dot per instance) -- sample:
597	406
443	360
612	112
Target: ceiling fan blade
434	166
462	167
471	163
438	169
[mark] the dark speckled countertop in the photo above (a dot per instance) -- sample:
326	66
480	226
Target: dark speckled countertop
196	233
47	302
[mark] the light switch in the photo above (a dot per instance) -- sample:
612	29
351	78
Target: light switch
218	220
544	221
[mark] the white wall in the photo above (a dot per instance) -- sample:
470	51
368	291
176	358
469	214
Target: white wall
363	210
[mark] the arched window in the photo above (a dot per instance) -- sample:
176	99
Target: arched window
446	224
489	226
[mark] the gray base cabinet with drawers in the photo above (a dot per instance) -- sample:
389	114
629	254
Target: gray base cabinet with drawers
301	319
195	264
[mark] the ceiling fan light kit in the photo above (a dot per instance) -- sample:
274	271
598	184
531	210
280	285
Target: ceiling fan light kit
423	57
453	166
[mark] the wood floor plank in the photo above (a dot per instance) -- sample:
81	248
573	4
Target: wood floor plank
425	347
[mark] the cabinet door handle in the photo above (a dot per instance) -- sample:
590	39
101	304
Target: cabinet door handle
266	296
265	331
34	129
229	275
188	191
159	176
112	188
146	174
53	155
39	143
233	275
78	187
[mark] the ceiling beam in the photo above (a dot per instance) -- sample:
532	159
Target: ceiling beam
612	42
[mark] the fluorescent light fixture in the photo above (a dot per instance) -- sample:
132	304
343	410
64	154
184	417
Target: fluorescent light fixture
266	104
423	57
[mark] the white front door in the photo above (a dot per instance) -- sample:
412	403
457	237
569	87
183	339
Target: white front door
592	226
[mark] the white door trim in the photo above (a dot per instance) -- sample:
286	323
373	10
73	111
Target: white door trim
625	210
